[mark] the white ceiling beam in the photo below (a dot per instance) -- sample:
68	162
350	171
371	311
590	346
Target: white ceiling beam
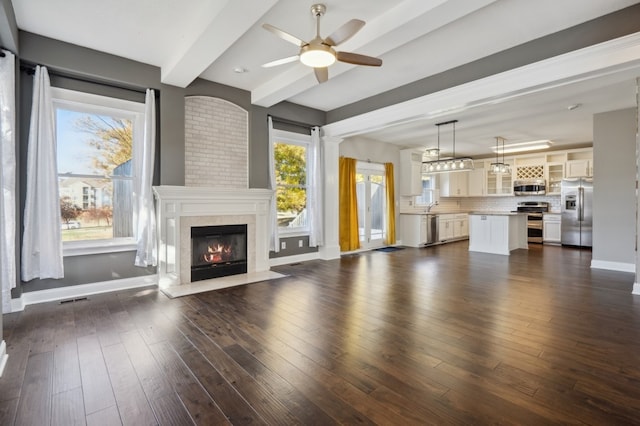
603	59
407	21
233	19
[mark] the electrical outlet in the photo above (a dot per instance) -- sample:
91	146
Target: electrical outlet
300	243
283	245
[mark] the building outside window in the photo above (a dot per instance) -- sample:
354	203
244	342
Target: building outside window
95	137
291	159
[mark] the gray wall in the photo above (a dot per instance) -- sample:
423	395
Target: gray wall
614	186
113	73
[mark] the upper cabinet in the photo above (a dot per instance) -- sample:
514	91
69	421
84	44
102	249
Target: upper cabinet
410	172
501	184
552	166
476	181
453	184
579	168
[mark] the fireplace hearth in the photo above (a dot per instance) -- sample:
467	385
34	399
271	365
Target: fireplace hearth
218	251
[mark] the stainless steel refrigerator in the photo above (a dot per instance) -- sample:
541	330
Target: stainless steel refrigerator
577	211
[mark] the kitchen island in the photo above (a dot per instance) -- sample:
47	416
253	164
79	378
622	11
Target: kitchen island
497	232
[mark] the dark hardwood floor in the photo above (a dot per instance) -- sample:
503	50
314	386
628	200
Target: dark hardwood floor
417	336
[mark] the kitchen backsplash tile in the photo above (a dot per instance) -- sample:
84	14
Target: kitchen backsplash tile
465	204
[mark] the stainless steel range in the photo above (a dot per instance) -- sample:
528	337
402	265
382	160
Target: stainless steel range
535	210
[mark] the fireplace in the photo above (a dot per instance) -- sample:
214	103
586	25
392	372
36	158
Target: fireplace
218	251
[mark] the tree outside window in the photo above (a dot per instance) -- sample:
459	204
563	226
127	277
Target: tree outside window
94	148
291	184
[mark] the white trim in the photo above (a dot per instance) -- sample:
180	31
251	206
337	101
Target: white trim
580	65
84	247
75	291
613	266
287	260
636	289
3	357
329	252
219	283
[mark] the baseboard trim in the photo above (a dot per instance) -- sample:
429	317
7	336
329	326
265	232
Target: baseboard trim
286	260
613	266
636	289
329	252
75	291
3	357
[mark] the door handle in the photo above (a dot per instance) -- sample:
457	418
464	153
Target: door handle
581	204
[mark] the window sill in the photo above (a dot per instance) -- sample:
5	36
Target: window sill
82	248
293	233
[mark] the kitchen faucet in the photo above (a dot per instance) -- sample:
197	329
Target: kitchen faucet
431	205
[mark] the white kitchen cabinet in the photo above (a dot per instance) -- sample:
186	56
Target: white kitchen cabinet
501	184
554	175
579	168
551	228
413	229
445	227
460	226
410	172
453	226
453	184
497	233
476	181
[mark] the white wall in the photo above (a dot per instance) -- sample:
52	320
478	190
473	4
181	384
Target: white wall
364	149
614	188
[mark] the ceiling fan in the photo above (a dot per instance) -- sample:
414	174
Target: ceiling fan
319	53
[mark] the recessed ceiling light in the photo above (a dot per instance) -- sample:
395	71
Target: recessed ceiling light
240	70
574	106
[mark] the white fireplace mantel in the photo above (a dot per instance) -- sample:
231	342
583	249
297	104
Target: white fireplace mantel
179	207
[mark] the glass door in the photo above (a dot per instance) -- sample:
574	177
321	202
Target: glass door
372	205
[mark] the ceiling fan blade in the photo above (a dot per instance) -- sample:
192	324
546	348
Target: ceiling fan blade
281	61
284	35
322	74
357	59
345	32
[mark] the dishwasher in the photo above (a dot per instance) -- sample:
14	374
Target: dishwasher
429	229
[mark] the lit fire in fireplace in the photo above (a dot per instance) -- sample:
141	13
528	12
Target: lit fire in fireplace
218	253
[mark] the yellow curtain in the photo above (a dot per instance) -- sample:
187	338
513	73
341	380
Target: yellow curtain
349	239
391	204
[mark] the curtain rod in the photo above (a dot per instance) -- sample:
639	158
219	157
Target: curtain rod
293	122
29	68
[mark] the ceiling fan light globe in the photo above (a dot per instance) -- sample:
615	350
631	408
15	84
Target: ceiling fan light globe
318	56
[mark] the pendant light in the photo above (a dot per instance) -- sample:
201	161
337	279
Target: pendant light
445	165
499	168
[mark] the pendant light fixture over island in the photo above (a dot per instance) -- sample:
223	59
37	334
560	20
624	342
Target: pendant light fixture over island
450	164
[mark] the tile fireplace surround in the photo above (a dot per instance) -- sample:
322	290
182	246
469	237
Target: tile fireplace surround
179	208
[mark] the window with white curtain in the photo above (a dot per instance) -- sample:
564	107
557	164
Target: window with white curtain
95	144
291	152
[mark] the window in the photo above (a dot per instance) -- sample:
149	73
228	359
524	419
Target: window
95	139
291	158
428	195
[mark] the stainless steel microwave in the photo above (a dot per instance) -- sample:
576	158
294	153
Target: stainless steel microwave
529	187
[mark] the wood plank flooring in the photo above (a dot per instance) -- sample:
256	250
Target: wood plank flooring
418	336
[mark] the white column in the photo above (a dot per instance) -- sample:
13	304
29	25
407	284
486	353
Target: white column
636	284
331	247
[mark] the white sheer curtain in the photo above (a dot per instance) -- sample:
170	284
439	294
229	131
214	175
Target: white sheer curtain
7	178
314	190
144	217
274	239
42	240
